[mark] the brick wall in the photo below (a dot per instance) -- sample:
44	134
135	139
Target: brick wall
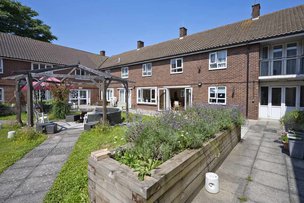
195	70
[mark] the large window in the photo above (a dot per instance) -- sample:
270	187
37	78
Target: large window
110	94
1	95
264	95
1	65
277	60
291	61
217	95
124	72
302	96
146	95
176	65
147	69
218	60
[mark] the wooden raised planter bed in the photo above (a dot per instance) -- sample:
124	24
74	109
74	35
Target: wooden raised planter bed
176	180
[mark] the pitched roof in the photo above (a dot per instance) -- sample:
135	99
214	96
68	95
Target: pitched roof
280	23
12	46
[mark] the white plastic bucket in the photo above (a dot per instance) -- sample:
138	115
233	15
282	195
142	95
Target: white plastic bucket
212	182
11	134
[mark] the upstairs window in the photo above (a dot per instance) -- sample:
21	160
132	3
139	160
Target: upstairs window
125	72
147	69
1	65
176	65
217	95
146	95
218	60
291	61
1	95
277	54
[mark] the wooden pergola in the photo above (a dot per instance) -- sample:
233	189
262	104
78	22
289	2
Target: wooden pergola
101	79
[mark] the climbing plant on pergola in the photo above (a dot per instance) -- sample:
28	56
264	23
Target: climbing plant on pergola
101	79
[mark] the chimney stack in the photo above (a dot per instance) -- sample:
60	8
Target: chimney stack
255	11
182	32
102	53
140	44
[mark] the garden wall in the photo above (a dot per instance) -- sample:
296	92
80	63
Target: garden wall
176	180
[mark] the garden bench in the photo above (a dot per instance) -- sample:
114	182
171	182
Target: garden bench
72	118
90	125
49	128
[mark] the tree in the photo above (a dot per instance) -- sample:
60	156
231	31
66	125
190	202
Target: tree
18	19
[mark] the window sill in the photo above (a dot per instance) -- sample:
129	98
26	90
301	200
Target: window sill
173	73
223	104
146	76
217	68
145	103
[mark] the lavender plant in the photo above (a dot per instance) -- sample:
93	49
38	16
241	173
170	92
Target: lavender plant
171	132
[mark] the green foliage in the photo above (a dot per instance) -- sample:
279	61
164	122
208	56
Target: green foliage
21	20
249	179
60	102
71	184
284	138
157	140
12	150
6	110
294	120
242	199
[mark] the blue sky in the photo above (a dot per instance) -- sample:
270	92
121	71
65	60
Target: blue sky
116	25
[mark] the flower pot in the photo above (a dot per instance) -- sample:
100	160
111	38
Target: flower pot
285	145
296	147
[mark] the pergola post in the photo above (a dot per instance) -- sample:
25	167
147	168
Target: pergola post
18	102
29	99
104	101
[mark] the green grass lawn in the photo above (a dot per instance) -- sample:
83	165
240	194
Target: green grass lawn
71	184
13	117
11	150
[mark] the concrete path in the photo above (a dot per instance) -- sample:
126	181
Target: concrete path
258	170
30	178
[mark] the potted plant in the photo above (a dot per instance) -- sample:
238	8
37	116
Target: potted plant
295	145
284	140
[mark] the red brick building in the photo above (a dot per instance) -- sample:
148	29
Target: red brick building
256	64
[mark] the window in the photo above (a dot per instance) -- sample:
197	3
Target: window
125	72
1	95
110	94
277	60
217	95
302	96
37	66
80	72
218	60
276	96
291	61
176	65
146	95
302	66
1	65
147	69
290	96
264	95
264	62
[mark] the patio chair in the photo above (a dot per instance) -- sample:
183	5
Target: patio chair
41	117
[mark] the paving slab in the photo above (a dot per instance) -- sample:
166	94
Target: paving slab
259	170
30	178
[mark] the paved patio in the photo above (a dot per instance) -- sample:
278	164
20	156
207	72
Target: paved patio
258	170
30	178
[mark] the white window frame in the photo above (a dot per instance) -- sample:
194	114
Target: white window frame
2	91
1	65
216	98
139	92
175	61
216	60
123	70
46	64
145	72
108	95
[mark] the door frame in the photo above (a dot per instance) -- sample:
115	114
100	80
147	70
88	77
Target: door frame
165	98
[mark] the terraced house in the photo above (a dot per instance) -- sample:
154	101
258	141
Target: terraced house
256	64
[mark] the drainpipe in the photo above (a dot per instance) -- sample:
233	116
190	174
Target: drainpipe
247	82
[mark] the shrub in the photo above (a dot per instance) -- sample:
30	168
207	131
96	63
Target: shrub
27	133
60	109
157	140
6	110
293	120
60	103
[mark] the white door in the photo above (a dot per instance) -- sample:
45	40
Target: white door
264	103
188	97
122	97
276	102
162	99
